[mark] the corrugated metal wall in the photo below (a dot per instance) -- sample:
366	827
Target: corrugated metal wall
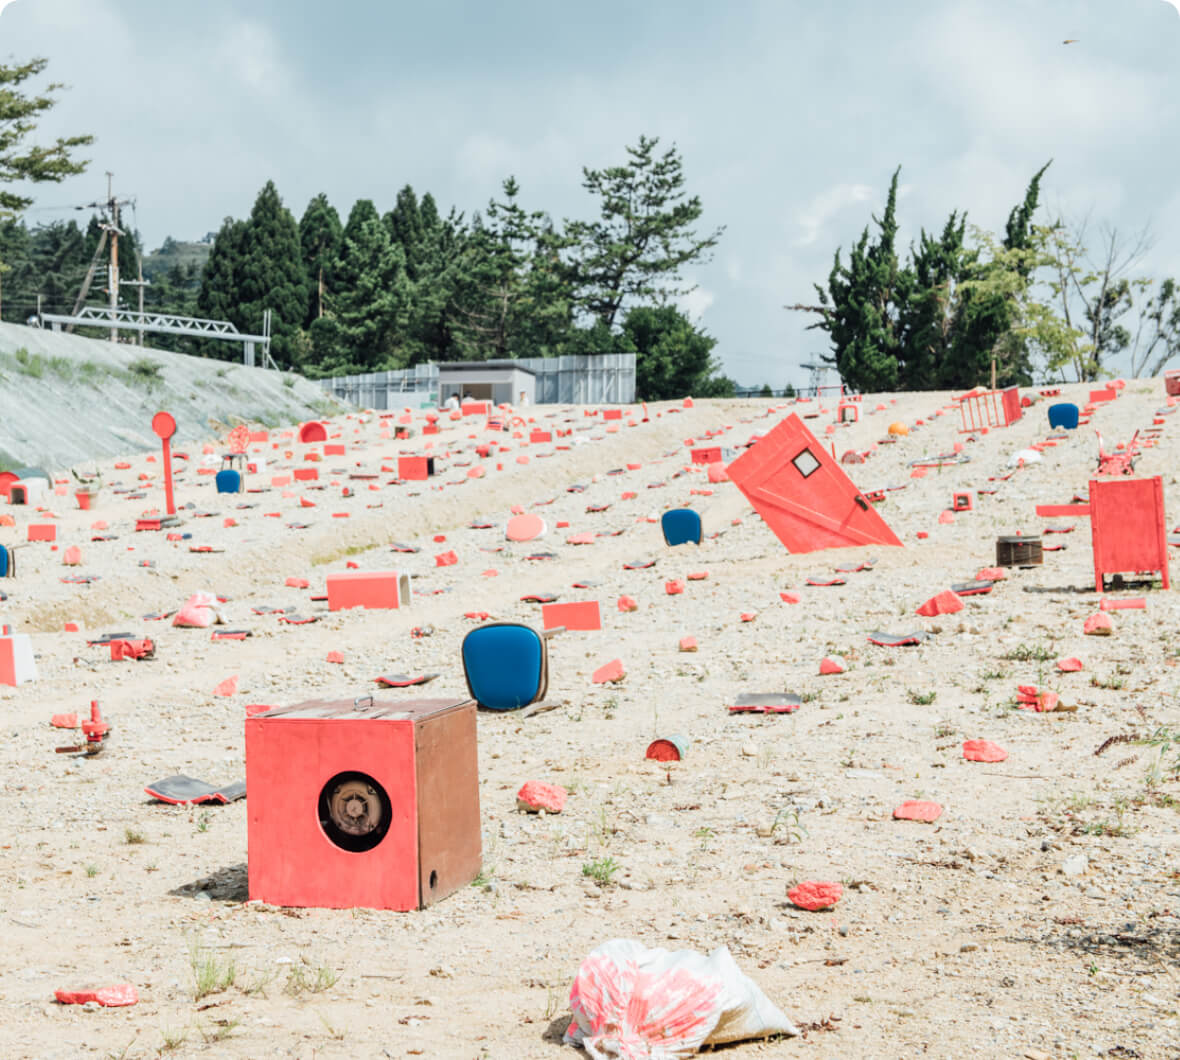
582	380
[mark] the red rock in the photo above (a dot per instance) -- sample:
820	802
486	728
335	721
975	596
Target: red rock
983	751
334	657
64	721
228	687
107	996
628	603
921	535
749	616
297	583
688	644
717	473
946	516
1098	625
830	665
609	672
789	598
916	810
524	527
72	557
943	603
991	574
446	559
815	894
537	795
698	576
1069	666
674	587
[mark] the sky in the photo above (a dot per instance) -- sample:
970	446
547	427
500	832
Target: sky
790	118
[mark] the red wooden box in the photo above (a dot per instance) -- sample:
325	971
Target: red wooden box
366	803
370	589
1127	528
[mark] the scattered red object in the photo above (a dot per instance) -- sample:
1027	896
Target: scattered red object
815	895
1069	666
789	598
228	687
628	603
334	657
669	749
1098	625
609	672
943	603
829	665
297	583
983	751
446	559
1109	603
991	574
537	795
688	644
749	616
1029	698
674	587
131	649
946	516
107	996
698	576
917	810
64	721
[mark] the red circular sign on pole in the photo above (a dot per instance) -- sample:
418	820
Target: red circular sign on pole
163	425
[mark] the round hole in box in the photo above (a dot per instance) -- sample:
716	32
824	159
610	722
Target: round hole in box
354	811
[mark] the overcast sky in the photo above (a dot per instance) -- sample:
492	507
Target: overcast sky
790	117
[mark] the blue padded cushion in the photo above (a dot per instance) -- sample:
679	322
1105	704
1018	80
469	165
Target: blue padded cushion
1064	414
3	562
503	666
228	481
681	526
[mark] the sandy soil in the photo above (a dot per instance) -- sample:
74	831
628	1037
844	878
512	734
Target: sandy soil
1036	918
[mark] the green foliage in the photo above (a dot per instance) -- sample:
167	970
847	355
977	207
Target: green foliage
601	870
766	391
673	358
19	114
320	232
643	237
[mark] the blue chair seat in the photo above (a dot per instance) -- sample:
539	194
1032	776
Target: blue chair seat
228	481
506	665
681	526
1063	414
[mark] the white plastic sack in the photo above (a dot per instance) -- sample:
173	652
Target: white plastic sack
1024	456
632	1003
199	611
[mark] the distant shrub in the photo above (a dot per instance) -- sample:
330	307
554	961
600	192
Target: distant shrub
147	370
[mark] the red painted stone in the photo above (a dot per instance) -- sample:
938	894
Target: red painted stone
674	587
829	665
815	894
628	603
688	644
943	603
107	996
983	751
446	559
228	687
1069	666
916	810
537	795
335	657
609	672
1098	625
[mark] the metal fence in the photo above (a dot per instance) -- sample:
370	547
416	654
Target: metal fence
594	379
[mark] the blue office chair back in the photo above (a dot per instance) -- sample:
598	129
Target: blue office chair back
681	526
3	562
228	481
1063	414
506	665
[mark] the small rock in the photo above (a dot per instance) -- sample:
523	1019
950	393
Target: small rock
1075	865
749	750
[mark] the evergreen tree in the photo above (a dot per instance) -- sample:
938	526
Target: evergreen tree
271	274
407	229
219	294
319	242
644	235
672	358
363	330
19	114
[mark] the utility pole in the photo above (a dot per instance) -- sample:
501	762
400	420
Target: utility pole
110	228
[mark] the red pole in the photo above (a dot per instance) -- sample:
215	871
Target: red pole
168	476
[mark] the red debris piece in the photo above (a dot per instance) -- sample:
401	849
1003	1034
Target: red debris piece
107	996
830	665
917	810
815	894
537	795
1108	603
297	583
609	672
1028	698
1069	666
698	576
946	516
983	751
446	559
131	649
228	687
991	574
748	616
64	721
688	644
72	557
943	603
664	750
789	598
674	587
1098	625
334	657
628	603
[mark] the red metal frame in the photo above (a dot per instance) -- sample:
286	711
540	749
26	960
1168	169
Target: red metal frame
990	408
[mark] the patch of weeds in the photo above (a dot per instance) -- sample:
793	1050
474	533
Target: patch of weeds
211	975
809	697
610	706
333	1032
1029	653
30	364
601	870
133	838
203	819
91	871
289	381
257	988
172	1039
121	1055
220	1030
921	699
1112	683
787	827
303	979
145	370
1167	741
992	675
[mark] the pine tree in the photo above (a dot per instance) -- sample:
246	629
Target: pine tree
644	235
363	329
407	229
219	294
271	274
319	241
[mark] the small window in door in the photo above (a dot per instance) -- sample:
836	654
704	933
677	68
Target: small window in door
806	463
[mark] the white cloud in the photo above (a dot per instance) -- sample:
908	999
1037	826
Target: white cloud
249	53
825	206
695	303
